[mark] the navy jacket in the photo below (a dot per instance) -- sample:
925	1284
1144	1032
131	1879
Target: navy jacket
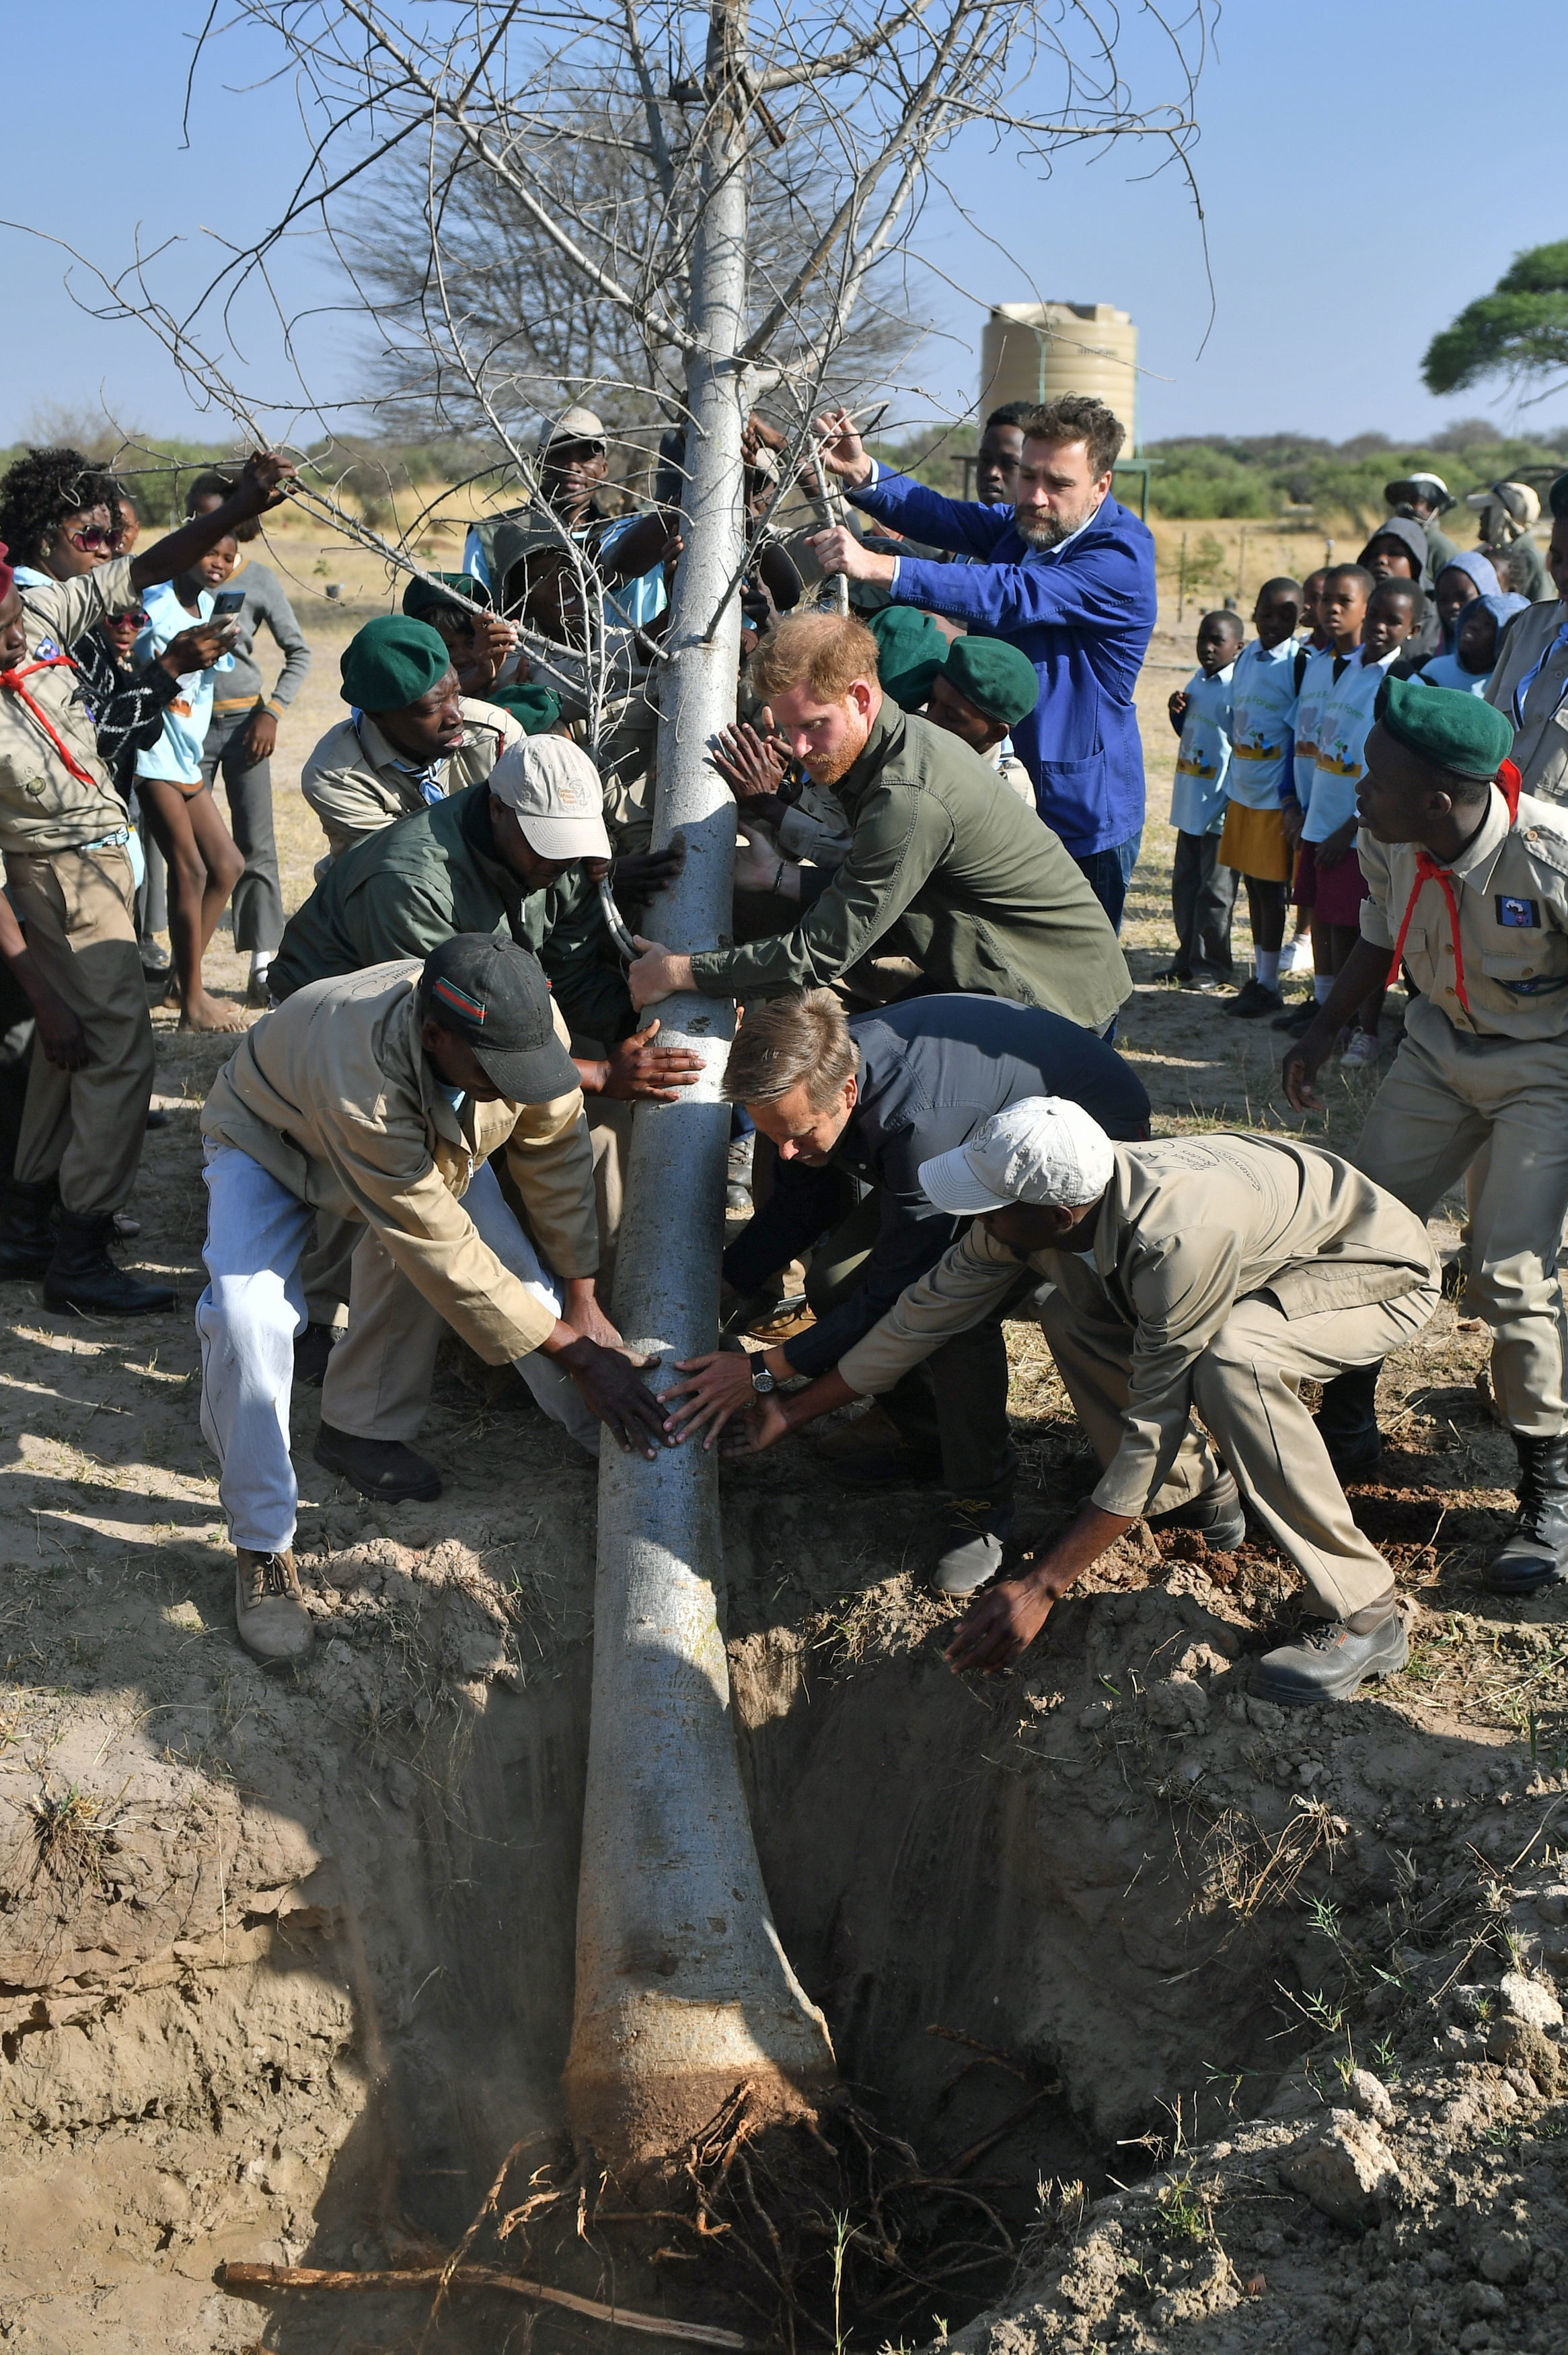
930	1070
1083	614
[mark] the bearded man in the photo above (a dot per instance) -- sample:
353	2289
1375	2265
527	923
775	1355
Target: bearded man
949	882
1066	575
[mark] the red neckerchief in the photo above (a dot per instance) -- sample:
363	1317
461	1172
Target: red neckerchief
12	681
1429	870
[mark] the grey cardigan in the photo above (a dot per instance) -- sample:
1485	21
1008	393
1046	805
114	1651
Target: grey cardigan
264	601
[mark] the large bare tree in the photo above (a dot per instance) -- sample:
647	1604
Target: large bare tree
712	195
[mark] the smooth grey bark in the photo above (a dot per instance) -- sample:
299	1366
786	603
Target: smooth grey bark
684	1990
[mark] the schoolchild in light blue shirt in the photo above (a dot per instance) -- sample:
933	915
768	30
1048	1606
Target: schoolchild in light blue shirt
1202	893
1252	845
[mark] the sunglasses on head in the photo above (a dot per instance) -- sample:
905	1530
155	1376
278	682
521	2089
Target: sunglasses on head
93	536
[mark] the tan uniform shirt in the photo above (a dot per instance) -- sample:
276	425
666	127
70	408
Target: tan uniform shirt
1188	1227
1540	744
1510	887
42	807
356	783
331	1093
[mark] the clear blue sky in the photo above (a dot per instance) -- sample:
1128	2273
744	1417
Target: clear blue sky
1349	214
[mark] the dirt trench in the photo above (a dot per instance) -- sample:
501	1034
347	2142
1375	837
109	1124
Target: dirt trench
286	1967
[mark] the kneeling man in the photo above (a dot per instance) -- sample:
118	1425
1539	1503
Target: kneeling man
380	1096
1203	1275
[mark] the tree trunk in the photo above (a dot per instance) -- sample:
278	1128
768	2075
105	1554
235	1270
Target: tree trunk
682	1988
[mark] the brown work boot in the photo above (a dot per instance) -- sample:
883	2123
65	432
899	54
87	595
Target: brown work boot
268	1609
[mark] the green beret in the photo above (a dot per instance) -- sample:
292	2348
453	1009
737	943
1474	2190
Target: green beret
910	651
422	598
997	679
392	662
535	707
1452	730
1557	497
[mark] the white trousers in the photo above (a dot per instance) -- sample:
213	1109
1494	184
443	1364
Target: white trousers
253	1309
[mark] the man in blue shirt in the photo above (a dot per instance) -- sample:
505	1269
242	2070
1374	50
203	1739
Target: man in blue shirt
1067	574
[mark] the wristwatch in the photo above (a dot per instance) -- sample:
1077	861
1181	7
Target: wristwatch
762	1381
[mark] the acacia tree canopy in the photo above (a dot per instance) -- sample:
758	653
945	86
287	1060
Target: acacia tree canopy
1518	331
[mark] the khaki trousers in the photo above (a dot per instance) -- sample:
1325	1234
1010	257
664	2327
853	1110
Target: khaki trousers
1493	1109
1245	1385
78	908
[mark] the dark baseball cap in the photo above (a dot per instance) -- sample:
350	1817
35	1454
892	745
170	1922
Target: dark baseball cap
494	997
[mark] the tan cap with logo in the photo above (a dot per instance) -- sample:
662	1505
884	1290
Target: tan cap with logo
556	791
575	425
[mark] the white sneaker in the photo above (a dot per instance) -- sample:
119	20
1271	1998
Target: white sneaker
1364	1047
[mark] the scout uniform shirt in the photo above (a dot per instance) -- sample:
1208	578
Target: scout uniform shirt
1263	705
1203	756
333	1095
55	792
356	782
1345	724
1188	1227
1506	974
1530	686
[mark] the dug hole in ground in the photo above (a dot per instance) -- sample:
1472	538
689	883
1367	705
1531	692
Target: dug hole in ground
1206	2027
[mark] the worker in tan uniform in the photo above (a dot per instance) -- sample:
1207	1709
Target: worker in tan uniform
1204	1277
1528	684
66	839
389	759
1469	882
381	1096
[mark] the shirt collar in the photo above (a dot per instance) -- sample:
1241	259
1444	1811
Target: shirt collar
1476	861
1063	545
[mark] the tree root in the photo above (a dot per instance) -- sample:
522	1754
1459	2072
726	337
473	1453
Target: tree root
245	2280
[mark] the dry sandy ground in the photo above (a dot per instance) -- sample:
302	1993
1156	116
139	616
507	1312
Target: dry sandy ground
285	1966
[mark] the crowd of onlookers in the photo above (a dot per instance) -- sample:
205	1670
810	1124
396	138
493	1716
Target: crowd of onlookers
1273	735
940	788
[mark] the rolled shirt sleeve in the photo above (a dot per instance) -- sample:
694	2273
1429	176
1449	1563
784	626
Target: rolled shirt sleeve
550	1156
1376	916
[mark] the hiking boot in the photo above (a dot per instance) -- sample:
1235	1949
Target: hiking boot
382	1468
1333	1657
1216	1513
1536	1550
82	1279
26	1234
312	1348
971	1545
1346	1421
268	1609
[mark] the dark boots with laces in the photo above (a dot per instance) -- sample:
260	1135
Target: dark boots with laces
1332	1658
26	1227
1536	1550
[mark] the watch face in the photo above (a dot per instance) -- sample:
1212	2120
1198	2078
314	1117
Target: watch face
761	1382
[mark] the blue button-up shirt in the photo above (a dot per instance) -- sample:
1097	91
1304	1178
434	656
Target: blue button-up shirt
1082	612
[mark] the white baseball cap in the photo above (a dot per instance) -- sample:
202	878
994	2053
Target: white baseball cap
558	794
1041	1149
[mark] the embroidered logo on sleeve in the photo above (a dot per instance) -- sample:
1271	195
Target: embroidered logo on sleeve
1520	913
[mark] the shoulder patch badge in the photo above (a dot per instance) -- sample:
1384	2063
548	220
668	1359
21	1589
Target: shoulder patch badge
1525	914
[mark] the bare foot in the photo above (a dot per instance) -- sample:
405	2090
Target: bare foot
203	1012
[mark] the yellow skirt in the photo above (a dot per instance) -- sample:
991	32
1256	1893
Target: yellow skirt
1254	844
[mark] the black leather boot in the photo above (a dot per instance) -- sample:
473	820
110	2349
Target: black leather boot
1346	1421
26	1235
1536	1552
82	1276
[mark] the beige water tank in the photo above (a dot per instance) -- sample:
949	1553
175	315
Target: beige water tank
1033	351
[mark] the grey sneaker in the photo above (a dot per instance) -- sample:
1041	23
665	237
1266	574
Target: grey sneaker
268	1609
1330	1661
1216	1515
971	1545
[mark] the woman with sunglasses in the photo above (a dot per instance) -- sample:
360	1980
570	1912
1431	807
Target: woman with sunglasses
69	874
